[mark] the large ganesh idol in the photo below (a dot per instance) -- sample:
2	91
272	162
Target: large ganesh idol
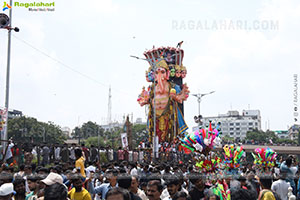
166	93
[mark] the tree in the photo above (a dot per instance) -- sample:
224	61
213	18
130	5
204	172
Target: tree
109	138
228	139
91	129
139	133
25	129
254	135
265	137
285	141
113	137
76	132
94	141
88	129
260	136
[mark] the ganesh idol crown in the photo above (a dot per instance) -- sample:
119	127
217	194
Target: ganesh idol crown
166	93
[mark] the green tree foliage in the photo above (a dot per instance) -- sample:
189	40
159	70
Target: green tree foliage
88	129
264	137
109	138
286	141
76	132
139	133
94	141
260	136
89	133
228	139
91	129
113	138
22	129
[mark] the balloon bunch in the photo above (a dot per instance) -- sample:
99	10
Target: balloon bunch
203	140
264	158
222	190
209	164
232	156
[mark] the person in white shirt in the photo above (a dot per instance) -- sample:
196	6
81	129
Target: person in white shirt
133	170
90	169
290	167
57	153
130	156
141	156
9	155
135	189
110	153
280	187
72	152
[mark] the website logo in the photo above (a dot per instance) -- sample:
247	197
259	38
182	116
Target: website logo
36	6
6	6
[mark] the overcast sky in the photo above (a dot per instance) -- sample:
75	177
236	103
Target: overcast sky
63	61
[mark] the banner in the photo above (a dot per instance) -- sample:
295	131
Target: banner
124	140
3	118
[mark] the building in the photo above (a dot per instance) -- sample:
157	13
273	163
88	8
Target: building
67	131
12	113
72	141
115	125
112	126
282	134
294	132
235	125
139	121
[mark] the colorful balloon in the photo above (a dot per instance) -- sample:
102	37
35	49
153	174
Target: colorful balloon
264	158
209	164
206	138
232	156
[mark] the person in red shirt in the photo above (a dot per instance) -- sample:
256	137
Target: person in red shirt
121	154
86	152
126	155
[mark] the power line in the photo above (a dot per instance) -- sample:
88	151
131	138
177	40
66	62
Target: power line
59	62
67	66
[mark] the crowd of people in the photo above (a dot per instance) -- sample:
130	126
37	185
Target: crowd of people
45	154
82	173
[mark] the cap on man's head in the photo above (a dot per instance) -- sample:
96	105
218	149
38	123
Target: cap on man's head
6	189
53	178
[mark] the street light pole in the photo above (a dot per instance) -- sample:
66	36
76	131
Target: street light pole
199	101
199	98
7	79
154	122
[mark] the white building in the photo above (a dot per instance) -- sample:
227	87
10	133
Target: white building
294	131
235	125
112	126
67	131
139	121
282	134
